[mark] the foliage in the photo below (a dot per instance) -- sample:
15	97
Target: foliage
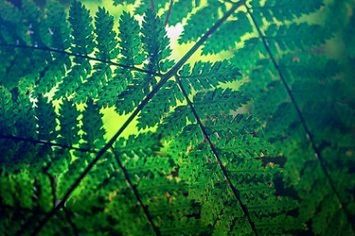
259	142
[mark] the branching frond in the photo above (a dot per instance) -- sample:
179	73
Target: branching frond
236	118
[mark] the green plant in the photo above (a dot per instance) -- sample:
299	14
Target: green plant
259	142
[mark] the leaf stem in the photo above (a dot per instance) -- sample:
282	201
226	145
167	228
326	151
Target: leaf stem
68	216
307	130
152	6
168	14
45	142
135	192
218	159
55	50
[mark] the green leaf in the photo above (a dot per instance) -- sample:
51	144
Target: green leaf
233	117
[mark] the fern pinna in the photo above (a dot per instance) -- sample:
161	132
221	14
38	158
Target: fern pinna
247	132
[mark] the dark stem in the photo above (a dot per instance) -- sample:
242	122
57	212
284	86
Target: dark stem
136	193
45	143
152	6
18	209
141	105
47	49
307	130
218	159
53	185
69	220
166	22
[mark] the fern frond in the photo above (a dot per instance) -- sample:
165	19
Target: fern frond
92	125
204	76
283	10
241	112
69	133
46	116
